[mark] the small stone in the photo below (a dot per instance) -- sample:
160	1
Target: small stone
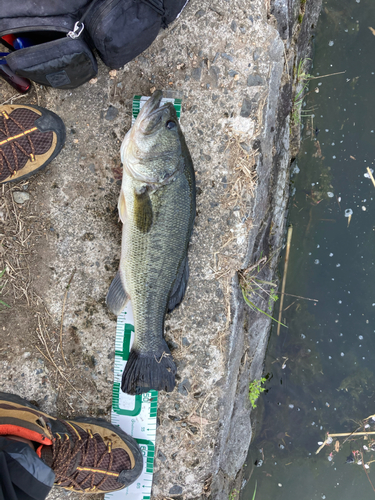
185	342
254	80
20	197
256	54
196	73
233	26
175	490
226	56
111	114
246	108
200	13
184	387
161	456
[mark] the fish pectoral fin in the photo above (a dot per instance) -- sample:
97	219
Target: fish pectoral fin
180	284
117	297
122	207
143	211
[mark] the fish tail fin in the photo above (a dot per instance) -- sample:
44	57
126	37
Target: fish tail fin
149	370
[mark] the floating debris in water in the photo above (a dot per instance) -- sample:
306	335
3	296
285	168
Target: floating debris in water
330	194
348	212
350	459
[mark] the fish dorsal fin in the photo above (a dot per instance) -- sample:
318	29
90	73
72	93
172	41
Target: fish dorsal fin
117	297
122	207
143	211
180	284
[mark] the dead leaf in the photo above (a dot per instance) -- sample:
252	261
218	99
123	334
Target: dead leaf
372	30
318	153
337	446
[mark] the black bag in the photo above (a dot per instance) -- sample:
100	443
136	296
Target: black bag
64	33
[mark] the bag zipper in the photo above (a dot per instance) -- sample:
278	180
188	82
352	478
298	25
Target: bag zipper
33	28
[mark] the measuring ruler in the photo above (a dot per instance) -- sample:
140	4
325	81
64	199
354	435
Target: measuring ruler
136	415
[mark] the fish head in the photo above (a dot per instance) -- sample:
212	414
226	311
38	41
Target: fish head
151	150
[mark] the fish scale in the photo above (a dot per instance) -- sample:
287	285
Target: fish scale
136	415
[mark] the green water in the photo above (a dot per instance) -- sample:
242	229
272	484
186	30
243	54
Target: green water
322	367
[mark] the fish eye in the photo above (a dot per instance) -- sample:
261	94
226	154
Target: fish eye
171	125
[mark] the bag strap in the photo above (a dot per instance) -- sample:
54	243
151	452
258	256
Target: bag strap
157	5
79	26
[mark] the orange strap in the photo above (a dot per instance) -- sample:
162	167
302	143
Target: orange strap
15	430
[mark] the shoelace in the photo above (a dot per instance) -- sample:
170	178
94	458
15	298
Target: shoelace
13	143
63	457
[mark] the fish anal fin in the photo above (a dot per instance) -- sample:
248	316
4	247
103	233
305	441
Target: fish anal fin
180	284
117	297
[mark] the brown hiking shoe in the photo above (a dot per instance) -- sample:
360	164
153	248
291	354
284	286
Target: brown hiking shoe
30	137
87	455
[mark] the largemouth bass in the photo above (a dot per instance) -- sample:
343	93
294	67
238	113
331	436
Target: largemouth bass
157	209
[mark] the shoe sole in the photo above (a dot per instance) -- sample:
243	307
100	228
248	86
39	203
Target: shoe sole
48	121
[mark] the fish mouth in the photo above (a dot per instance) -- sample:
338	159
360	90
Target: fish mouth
151	114
151	104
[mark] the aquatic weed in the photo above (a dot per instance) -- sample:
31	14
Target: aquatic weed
255	390
233	494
